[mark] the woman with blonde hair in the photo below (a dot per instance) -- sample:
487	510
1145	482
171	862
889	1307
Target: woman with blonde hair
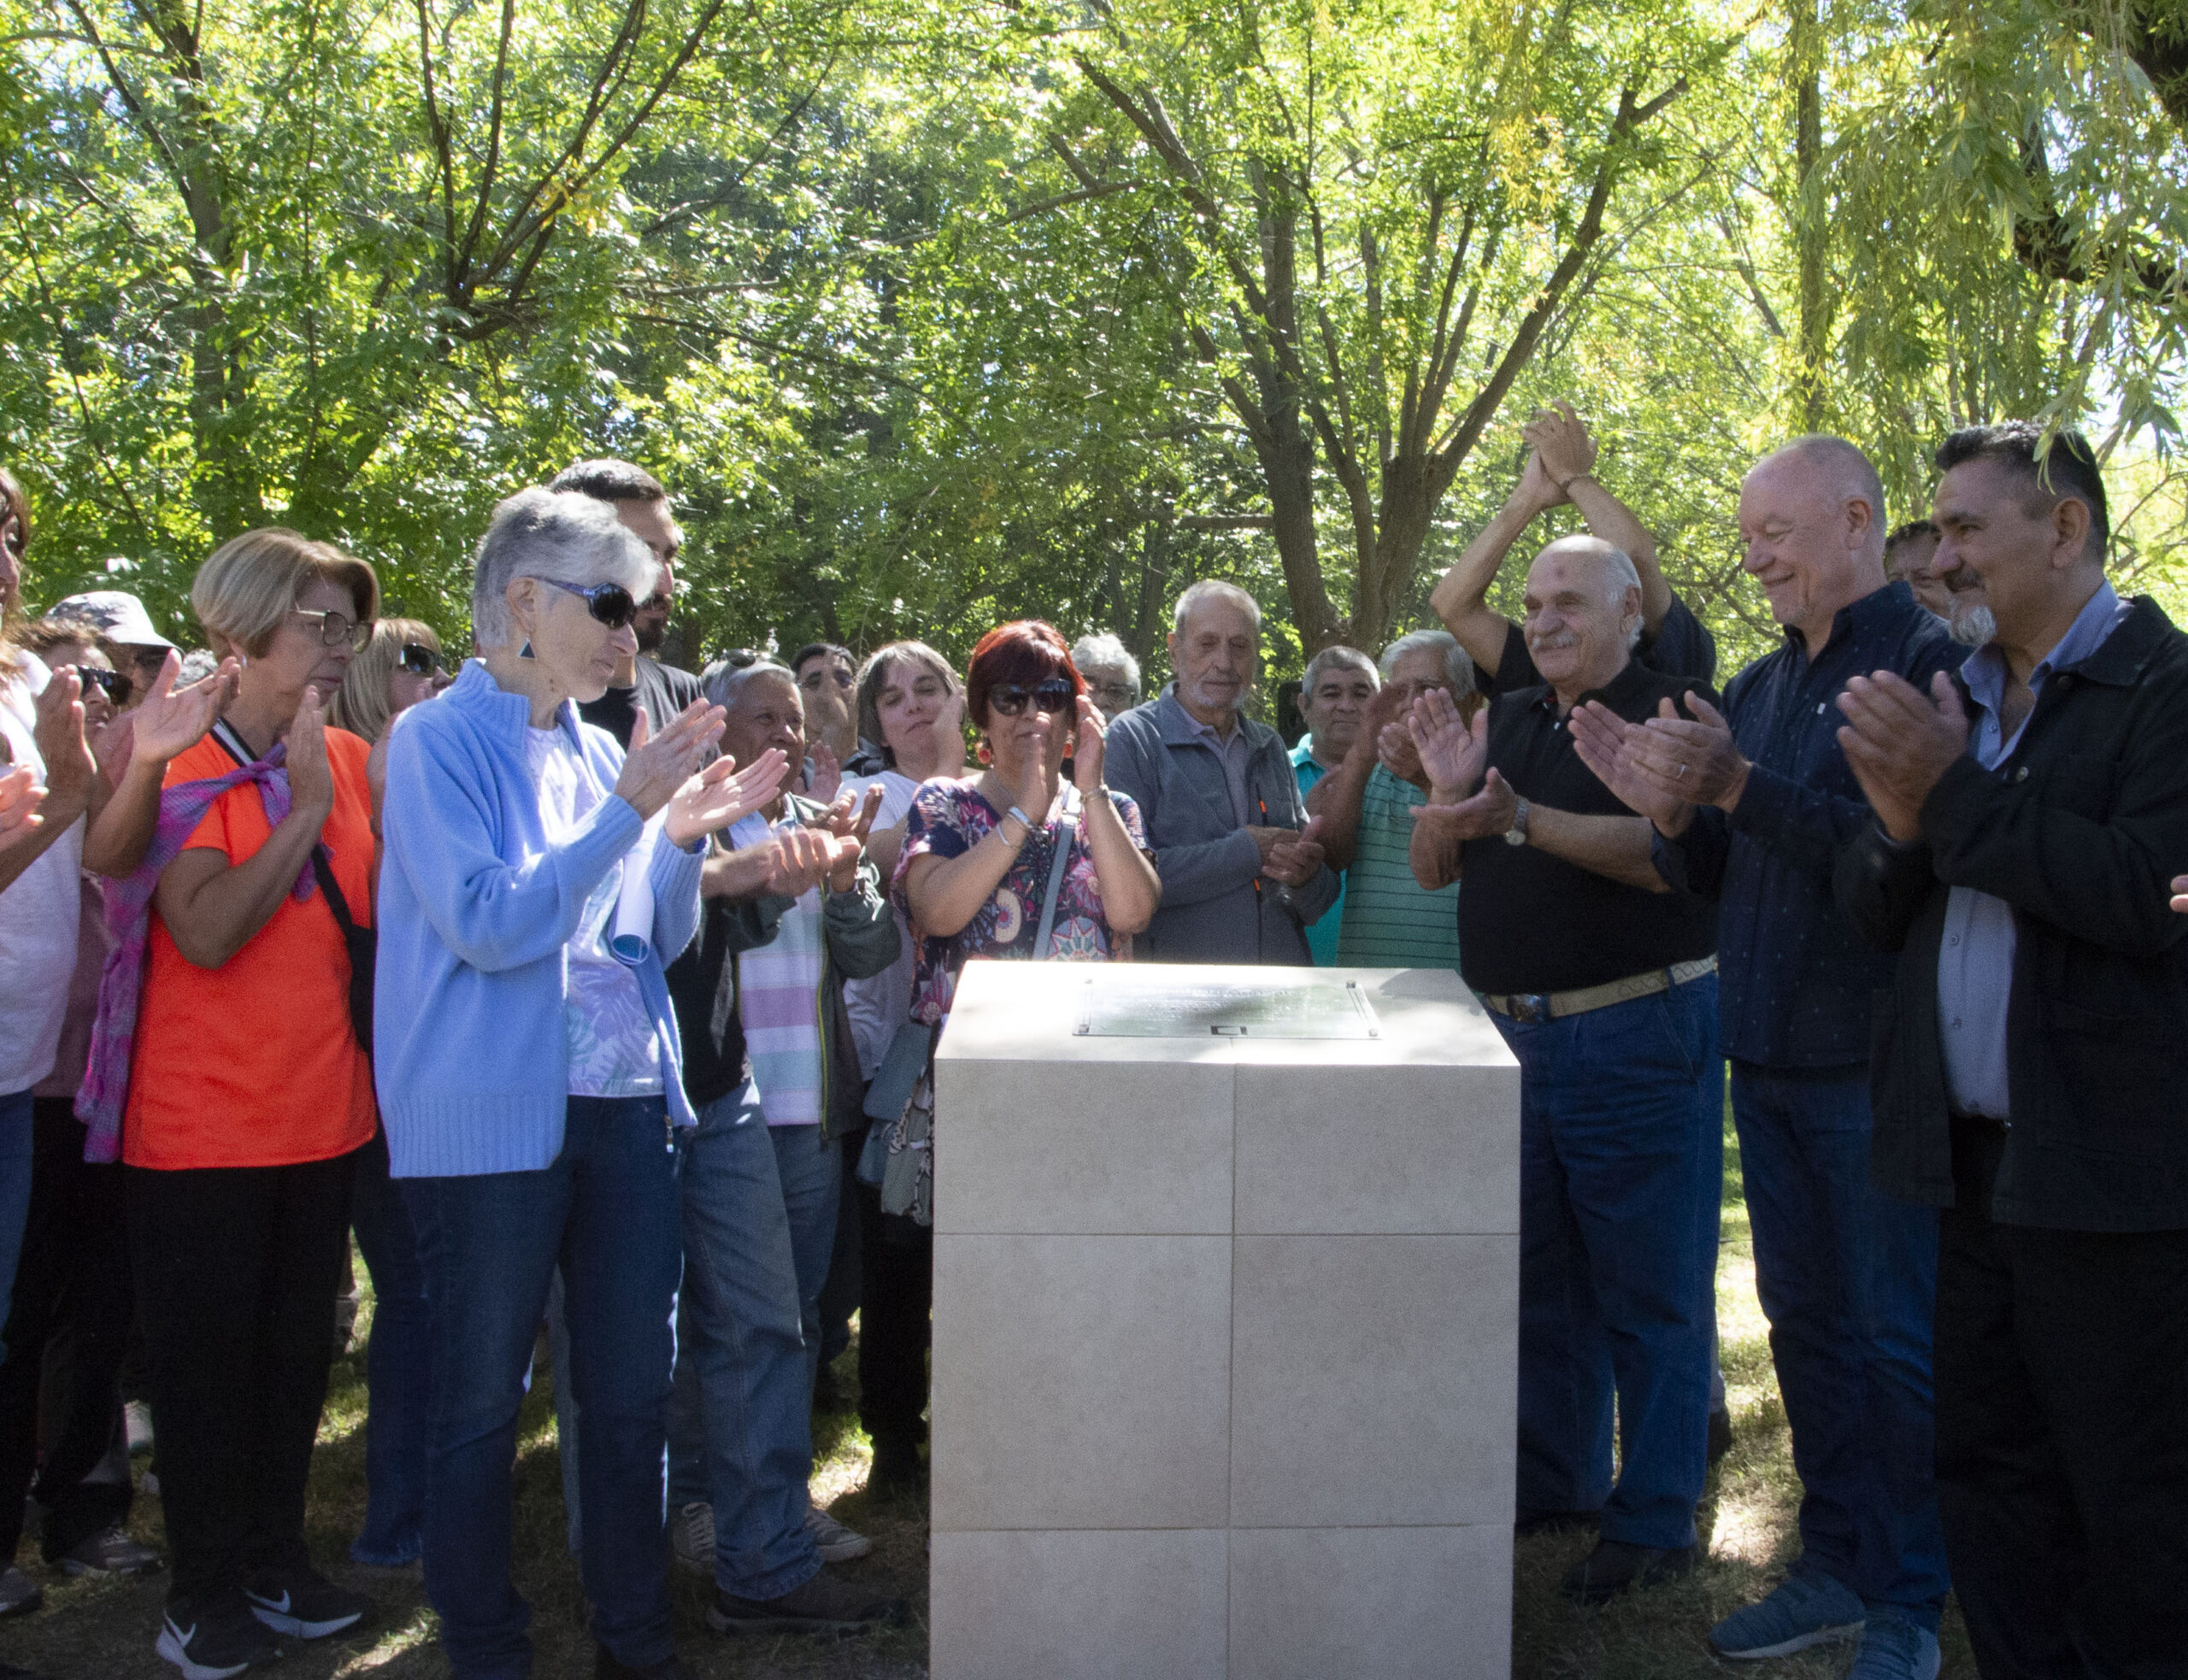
399	666
247	1094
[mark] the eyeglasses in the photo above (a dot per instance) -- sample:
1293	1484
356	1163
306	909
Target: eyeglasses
419	659
1110	692
1051	694
337	630
610	604
116	685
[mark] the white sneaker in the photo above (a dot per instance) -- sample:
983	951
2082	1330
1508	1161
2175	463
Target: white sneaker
692	1534
835	1543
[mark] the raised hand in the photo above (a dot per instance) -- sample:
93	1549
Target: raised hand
720	794
59	733
1087	751
21	795
1536	488
1601	738
1033	795
658	766
827	780
850	819
800	859
1562	443
311	778
169	720
1898	743
1451	753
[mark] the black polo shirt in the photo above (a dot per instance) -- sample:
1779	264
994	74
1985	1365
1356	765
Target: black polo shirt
1529	922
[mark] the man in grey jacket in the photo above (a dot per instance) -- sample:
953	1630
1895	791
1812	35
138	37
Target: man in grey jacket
1242	869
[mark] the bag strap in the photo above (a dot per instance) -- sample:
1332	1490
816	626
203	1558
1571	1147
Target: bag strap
1066	834
321	869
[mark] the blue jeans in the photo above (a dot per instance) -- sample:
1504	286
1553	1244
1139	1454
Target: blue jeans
606	1212
1848	1279
398	1366
1621	1165
14	1191
738	1435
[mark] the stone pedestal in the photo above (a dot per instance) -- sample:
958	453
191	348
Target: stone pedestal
1224	1331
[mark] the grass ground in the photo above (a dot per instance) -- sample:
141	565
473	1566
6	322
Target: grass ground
104	1630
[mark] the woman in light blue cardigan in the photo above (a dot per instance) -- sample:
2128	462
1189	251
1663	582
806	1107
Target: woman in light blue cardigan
528	1065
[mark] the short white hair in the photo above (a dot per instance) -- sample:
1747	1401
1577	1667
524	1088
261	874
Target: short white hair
1100	650
553	534
1336	653
1457	667
723	682
1619	572
1197	596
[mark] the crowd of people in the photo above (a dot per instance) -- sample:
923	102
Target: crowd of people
599	998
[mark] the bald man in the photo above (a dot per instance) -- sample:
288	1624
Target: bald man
1752	808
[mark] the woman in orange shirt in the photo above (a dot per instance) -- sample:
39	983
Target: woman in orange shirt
249	1099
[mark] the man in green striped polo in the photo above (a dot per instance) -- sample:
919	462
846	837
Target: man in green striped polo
1389	921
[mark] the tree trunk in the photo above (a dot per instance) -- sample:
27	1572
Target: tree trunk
1808	222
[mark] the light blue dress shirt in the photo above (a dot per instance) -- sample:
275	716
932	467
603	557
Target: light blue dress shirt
1975	959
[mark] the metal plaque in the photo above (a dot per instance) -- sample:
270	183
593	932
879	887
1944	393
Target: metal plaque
1113	1006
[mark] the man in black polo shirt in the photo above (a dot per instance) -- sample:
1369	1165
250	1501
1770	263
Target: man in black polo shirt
1604	984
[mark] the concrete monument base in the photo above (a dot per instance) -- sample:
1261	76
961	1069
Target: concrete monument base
1225	1326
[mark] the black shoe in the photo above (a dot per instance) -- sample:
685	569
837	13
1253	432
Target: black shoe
215	1644
1554	1522
830	1396
1614	1565
303	1603
825	1604
606	1667
1720	1435
896	1467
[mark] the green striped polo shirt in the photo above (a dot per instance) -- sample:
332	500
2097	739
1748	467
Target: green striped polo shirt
1389	921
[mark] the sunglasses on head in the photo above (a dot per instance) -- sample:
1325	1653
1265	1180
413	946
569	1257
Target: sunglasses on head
116	684
417	659
610	604
1051	694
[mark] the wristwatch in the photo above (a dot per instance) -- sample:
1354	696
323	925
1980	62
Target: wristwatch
1024	821
1517	834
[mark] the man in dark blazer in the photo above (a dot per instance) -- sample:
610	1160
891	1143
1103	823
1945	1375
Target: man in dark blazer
2032	1068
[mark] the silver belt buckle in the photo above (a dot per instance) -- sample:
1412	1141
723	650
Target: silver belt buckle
1531	1008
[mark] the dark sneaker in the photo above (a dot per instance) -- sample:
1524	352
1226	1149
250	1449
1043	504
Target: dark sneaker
303	1603
19	1593
825	1604
108	1552
216	1646
1615	1566
1895	1648
1808	1608
605	1666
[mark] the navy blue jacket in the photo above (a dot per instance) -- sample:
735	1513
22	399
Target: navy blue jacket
1794	978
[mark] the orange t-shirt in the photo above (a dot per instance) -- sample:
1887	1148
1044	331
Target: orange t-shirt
254	1063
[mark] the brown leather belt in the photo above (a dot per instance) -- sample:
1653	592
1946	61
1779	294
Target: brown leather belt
1532	1009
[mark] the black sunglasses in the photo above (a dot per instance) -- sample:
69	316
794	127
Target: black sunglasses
116	685
610	604
1051	694
419	659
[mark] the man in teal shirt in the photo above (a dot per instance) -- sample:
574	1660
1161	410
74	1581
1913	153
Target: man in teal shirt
1339	687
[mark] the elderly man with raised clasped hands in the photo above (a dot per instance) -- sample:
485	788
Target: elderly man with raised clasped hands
1241	866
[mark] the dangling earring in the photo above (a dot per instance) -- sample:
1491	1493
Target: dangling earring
982	754
525	652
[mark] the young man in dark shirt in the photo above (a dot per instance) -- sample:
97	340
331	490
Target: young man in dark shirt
1604	984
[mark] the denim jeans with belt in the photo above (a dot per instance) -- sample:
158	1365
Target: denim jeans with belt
606	1211
739	1434
1847	1277
1621	1162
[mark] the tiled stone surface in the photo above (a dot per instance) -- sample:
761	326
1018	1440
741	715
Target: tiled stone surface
1394	1603
1081	1382
1372	1380
1122	1604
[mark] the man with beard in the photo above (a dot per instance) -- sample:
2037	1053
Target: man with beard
2030	1082
1752	809
661	691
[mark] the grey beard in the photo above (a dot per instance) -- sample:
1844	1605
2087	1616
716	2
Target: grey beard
1976	627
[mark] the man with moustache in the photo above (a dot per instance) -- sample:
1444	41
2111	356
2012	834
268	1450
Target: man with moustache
1242	870
2030	1073
1339	687
1604	984
1752	807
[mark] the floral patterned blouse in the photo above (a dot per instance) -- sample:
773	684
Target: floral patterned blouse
948	818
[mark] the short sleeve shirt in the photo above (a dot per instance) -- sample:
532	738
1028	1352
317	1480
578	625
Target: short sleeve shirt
948	818
1389	921
255	1063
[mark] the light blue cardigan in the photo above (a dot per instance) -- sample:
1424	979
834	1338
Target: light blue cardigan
475	908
